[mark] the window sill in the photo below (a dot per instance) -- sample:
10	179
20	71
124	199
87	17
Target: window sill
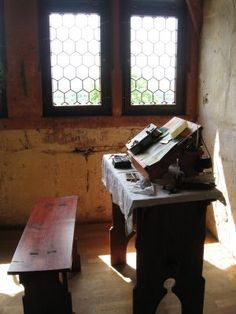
84	122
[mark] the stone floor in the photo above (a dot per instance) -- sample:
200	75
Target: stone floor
100	289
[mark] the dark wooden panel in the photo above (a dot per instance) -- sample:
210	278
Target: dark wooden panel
46	243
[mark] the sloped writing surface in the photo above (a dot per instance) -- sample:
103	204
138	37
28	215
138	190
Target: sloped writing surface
155	160
157	151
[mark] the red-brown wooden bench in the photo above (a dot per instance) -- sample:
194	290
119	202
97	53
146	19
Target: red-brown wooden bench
45	254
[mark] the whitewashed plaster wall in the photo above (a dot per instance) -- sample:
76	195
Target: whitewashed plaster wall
56	162
217	109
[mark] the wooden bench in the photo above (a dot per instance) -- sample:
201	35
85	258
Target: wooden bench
45	254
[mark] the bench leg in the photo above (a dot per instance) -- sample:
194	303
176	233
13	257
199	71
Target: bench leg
46	293
76	263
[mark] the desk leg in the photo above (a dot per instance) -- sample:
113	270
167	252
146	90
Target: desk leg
46	293
118	238
169	244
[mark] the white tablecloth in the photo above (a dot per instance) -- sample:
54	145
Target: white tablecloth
128	196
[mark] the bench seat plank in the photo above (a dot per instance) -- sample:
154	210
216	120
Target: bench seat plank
46	243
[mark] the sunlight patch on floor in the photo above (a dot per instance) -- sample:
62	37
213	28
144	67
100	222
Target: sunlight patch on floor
214	253
217	255
9	284
131	261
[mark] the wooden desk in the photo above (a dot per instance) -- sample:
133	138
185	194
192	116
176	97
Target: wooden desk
170	233
44	256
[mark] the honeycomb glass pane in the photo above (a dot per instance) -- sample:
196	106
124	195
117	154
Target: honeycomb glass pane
165	36
136	72
75	47
64	85
76	85
147	73
148	23
93	47
153	47
82	72
171	24
164	85
69	46
136	97
94	72
164	61
136	47
68	20
153	35
159	97
88	84
159	73
58	98
69	72
94	96
54	85
63	59
169	96
147	97
141	85
56	46
148	48
159	23
153	85
159	48
53	60
75	33
88	59
52	33
153	61
83	97
141	60
57	72
98	85
94	21
87	33
132	85
170	49
81	20
55	20
76	60
170	73
70	97
62	33
136	22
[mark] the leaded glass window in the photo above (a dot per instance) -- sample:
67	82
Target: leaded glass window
153	42
153	60
75	54
75	59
